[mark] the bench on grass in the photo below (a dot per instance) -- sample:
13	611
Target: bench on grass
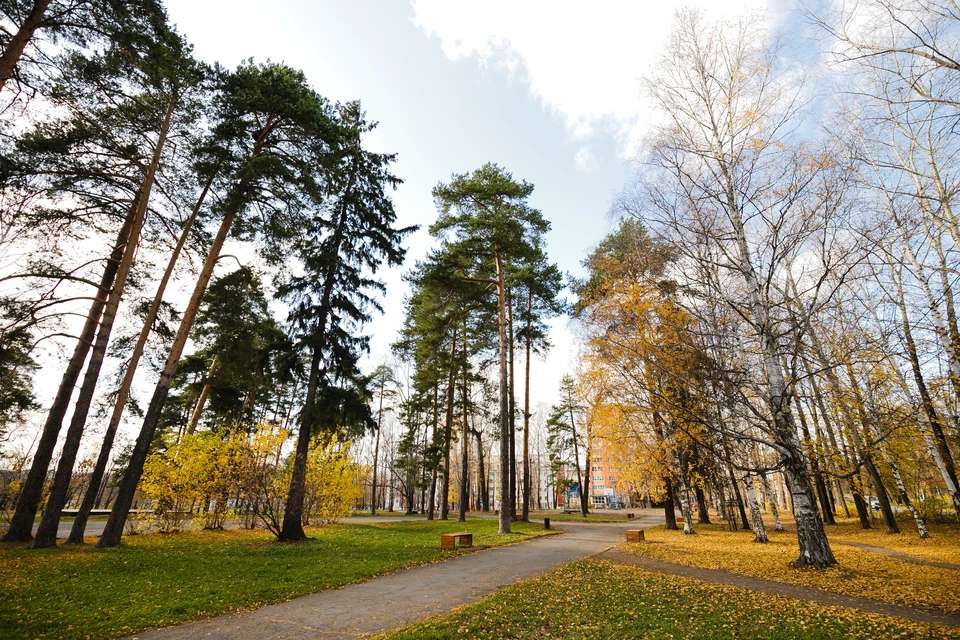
635	535
449	540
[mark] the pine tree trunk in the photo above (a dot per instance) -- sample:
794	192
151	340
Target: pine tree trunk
464	445
21	525
483	488
505	516
113	530
582	477
57	499
376	453
585	496
431	509
448	431
202	400
96	478
408	495
18	42
525	515
513	413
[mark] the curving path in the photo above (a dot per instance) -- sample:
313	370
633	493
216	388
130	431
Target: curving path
407	596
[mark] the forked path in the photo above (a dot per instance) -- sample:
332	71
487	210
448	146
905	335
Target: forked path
407	596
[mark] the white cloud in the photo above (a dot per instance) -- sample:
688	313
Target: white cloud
583	61
585	160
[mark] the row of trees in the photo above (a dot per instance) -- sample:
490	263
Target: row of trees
404	463
779	295
122	152
476	300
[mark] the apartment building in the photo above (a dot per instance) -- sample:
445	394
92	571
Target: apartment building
604	478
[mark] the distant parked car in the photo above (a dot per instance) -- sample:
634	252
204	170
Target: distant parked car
875	504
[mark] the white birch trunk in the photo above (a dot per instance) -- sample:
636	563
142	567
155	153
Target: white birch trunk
917	517
756	518
772	499
685	510
939	322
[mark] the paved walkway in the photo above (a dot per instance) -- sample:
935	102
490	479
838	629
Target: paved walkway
407	596
930	616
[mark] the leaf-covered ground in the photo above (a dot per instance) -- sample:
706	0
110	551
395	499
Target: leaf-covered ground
161	579
942	546
596	600
859	573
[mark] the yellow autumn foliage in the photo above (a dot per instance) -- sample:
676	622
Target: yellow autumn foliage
333	483
213	475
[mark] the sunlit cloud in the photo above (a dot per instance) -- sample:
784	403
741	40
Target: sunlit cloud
583	61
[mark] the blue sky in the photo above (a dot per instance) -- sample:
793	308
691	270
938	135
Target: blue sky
548	90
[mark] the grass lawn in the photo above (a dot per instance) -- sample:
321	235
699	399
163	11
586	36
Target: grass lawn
593	600
399	514
860	573
161	579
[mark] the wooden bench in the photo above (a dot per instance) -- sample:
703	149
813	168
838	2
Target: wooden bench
449	540
635	535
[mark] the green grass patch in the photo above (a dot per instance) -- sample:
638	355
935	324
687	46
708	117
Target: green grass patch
161	579
398	514
594	600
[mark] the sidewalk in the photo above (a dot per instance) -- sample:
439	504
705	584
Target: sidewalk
407	596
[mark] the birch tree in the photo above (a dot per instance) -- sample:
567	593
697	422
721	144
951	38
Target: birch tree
739	196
